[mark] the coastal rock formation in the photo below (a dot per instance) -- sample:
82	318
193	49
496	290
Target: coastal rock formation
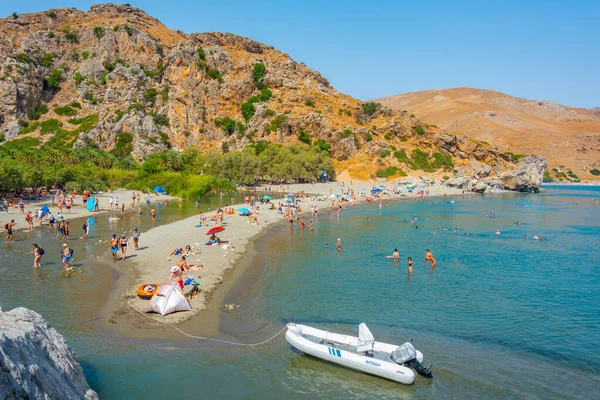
528	176
35	361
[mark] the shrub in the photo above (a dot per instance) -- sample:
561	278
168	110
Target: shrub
115	28
23	123
50	35
258	73
595	172
370	108
276	123
78	78
368	137
213	73
202	65
269	112
388	136
85	55
75	104
103	77
123	147
89	96
24	58
442	161
401	156
48	59
164	138
390	171
201	54
75	56
37	112
226	124
160	119
248	109
303	136
71	36
384	153
151	74
2	137
265	94
67	111
128	29
52	81
98	32
309	103
160	49
322	144
572	175
346	133
119	114
28	129
225	147
420	160
445	177
150	95
50	126
15	15
419	130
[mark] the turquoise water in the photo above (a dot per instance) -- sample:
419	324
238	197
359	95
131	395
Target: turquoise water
500	317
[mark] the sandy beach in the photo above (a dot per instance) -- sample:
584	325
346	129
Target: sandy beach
153	263
78	210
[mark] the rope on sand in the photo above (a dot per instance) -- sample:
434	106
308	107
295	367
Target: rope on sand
205	338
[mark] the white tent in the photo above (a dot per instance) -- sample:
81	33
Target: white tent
366	341
168	299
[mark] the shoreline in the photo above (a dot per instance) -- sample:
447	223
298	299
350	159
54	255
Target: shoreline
223	267
78	210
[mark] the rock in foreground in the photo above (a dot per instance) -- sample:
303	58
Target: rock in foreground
36	362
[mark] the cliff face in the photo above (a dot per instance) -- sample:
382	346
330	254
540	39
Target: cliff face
35	361
568	137
74	78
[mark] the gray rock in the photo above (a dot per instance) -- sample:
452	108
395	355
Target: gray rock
36	362
460	182
528	175
479	169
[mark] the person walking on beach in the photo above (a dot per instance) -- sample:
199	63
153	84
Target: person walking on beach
124	244
66	231
9	230
114	246
29	220
21	207
86	230
96	204
110	202
136	238
38	252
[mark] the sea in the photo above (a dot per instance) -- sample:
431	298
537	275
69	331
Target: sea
500	316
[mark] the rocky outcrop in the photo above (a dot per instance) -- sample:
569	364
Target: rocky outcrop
528	175
35	361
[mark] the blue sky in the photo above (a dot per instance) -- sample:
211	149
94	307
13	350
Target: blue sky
543	50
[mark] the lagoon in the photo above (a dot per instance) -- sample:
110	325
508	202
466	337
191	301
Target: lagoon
500	316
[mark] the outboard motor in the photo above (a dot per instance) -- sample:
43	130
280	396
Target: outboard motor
406	355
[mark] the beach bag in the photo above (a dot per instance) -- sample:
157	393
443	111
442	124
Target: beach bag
6	227
84	226
28	218
41	251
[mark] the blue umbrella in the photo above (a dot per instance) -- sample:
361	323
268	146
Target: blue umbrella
90	203
243	210
159	189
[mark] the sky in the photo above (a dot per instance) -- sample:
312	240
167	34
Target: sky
541	50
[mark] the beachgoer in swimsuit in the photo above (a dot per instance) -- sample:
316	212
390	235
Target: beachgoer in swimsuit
396	256
114	246
37	256
339	244
136	239
66	256
176	275
429	257
409	261
124	244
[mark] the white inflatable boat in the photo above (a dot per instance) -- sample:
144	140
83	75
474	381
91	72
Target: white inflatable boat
361	353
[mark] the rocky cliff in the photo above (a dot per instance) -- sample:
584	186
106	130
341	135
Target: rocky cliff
35	361
114	76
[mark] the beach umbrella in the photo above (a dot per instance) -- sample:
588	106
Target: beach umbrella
286	200
243	210
267	197
90	203
159	189
216	229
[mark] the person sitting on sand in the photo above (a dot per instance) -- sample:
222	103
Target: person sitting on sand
214	239
176	251
189	251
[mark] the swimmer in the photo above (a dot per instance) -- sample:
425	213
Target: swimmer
339	244
497	231
326	245
409	261
429	257
396	256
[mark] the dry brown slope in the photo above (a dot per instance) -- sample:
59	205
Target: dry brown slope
568	137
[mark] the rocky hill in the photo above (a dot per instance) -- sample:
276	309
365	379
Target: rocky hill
116	78
568	137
